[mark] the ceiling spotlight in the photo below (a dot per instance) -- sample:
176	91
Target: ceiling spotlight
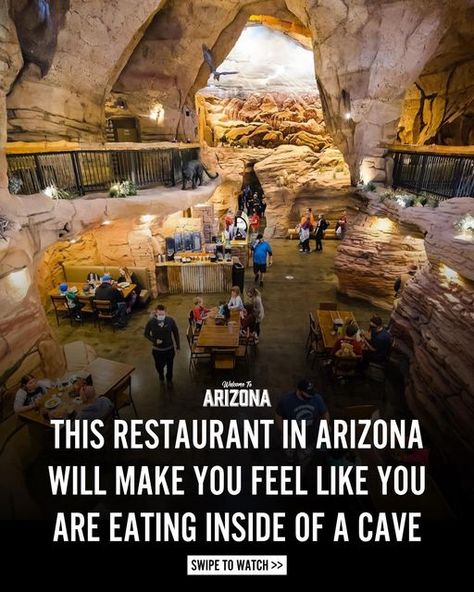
73	240
106	222
348	115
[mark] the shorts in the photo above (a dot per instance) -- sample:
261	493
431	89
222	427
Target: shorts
259	267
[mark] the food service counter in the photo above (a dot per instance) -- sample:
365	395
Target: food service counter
198	277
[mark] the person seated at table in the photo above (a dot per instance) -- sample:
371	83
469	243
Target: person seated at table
235	299
200	312
131	277
107	291
92	278
248	322
348	343
30	391
378	342
73	304
94	407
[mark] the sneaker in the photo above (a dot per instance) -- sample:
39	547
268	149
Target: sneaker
162	380
301	250
256	279
169	383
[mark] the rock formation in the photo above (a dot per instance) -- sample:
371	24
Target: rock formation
286	174
267	120
151	54
432	320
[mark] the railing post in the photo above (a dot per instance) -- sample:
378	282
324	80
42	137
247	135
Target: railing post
77	173
421	173
39	172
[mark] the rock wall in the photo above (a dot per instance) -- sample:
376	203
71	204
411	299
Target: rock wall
26	342
432	320
372	51
287	174
375	251
266	120
439	107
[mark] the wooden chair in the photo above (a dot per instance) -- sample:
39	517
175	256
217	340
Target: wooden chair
327	306
242	352
223	358
87	308
61	309
105	312
312	330
196	353
121	396
345	367
316	346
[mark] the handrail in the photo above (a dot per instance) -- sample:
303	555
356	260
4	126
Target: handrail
444	175
88	170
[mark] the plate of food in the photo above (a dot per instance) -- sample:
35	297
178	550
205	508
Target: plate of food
123	284
52	403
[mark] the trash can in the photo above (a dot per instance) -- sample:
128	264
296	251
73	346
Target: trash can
238	275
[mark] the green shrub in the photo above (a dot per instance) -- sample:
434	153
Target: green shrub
14	184
370	186
123	189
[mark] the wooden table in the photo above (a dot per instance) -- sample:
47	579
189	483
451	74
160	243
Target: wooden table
325	319
67	405
219	336
106	375
125	291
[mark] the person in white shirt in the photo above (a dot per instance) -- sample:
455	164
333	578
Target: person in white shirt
235	301
31	389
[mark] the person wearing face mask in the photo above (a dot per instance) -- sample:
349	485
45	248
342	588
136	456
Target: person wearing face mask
161	330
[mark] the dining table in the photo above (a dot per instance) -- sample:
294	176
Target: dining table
326	319
213	335
107	376
126	291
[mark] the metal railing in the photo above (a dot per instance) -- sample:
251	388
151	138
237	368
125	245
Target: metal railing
443	175
82	171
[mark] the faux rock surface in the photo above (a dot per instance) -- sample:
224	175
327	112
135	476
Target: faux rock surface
266	120
432	320
151	54
286	174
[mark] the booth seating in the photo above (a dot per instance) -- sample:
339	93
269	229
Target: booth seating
77	274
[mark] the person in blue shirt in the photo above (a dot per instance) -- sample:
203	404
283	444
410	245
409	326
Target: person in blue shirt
378	342
260	251
303	405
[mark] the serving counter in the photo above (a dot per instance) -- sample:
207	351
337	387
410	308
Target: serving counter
197	277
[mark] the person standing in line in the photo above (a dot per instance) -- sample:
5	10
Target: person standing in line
160	330
261	249
321	226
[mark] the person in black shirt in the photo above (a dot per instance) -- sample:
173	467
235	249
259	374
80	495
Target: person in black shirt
321	226
379	343
106	291
161	330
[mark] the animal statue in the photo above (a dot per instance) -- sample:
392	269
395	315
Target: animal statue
193	171
209	59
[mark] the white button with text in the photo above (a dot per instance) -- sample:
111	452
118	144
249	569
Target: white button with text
236	565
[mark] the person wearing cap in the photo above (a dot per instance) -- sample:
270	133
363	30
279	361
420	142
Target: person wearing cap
107	291
302	405
378	342
260	251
